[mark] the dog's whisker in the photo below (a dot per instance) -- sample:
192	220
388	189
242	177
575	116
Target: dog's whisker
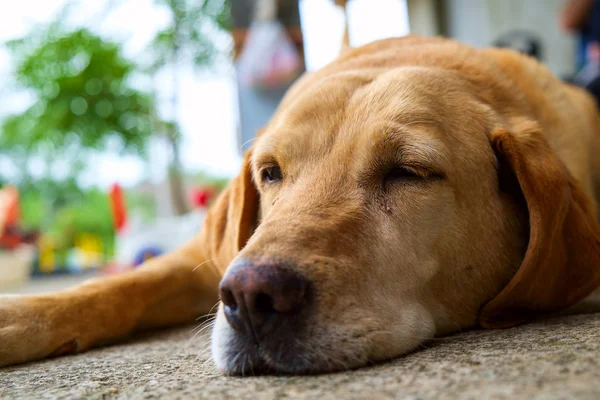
206	363
212	308
209	315
207	326
244	366
200	358
205	322
203	351
251	364
207	318
202	330
201	326
201	264
247	142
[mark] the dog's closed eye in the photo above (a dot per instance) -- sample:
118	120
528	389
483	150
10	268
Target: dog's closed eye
409	174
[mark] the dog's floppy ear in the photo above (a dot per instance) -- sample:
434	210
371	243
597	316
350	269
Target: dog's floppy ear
232	219
562	262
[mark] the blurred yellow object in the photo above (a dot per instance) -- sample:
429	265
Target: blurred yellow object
89	250
47	249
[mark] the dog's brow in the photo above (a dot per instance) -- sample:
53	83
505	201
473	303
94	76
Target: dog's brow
413	140
263	159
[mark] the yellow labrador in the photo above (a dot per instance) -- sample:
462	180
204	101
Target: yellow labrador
412	188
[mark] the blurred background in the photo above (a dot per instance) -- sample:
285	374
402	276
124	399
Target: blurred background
122	120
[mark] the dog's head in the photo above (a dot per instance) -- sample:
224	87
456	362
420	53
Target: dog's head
384	205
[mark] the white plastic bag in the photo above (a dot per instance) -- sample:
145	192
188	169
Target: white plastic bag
269	59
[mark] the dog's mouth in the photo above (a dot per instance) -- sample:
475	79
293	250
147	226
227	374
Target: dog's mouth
256	361
243	356
286	352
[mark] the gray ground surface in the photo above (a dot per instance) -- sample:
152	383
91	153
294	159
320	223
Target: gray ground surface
49	283
558	358
554	359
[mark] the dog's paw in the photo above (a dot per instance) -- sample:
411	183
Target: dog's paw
36	327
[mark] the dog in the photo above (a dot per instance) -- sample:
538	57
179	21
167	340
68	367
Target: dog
412	188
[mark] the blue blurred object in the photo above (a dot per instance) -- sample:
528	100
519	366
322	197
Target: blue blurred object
145	254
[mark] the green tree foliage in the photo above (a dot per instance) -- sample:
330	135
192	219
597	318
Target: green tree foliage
192	35
190	39
82	99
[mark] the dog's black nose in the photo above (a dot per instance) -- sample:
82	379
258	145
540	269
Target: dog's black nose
259	298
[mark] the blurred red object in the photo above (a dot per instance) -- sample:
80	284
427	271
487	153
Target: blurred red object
119	209
11	236
201	197
9	206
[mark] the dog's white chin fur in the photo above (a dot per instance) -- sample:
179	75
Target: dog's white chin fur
221	335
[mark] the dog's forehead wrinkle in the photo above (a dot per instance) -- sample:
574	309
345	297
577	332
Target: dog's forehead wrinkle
322	107
330	93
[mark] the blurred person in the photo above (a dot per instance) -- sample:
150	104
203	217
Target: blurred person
582	17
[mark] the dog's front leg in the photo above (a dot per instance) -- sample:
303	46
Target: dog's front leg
166	290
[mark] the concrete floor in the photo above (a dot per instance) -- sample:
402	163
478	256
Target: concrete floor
50	283
558	358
